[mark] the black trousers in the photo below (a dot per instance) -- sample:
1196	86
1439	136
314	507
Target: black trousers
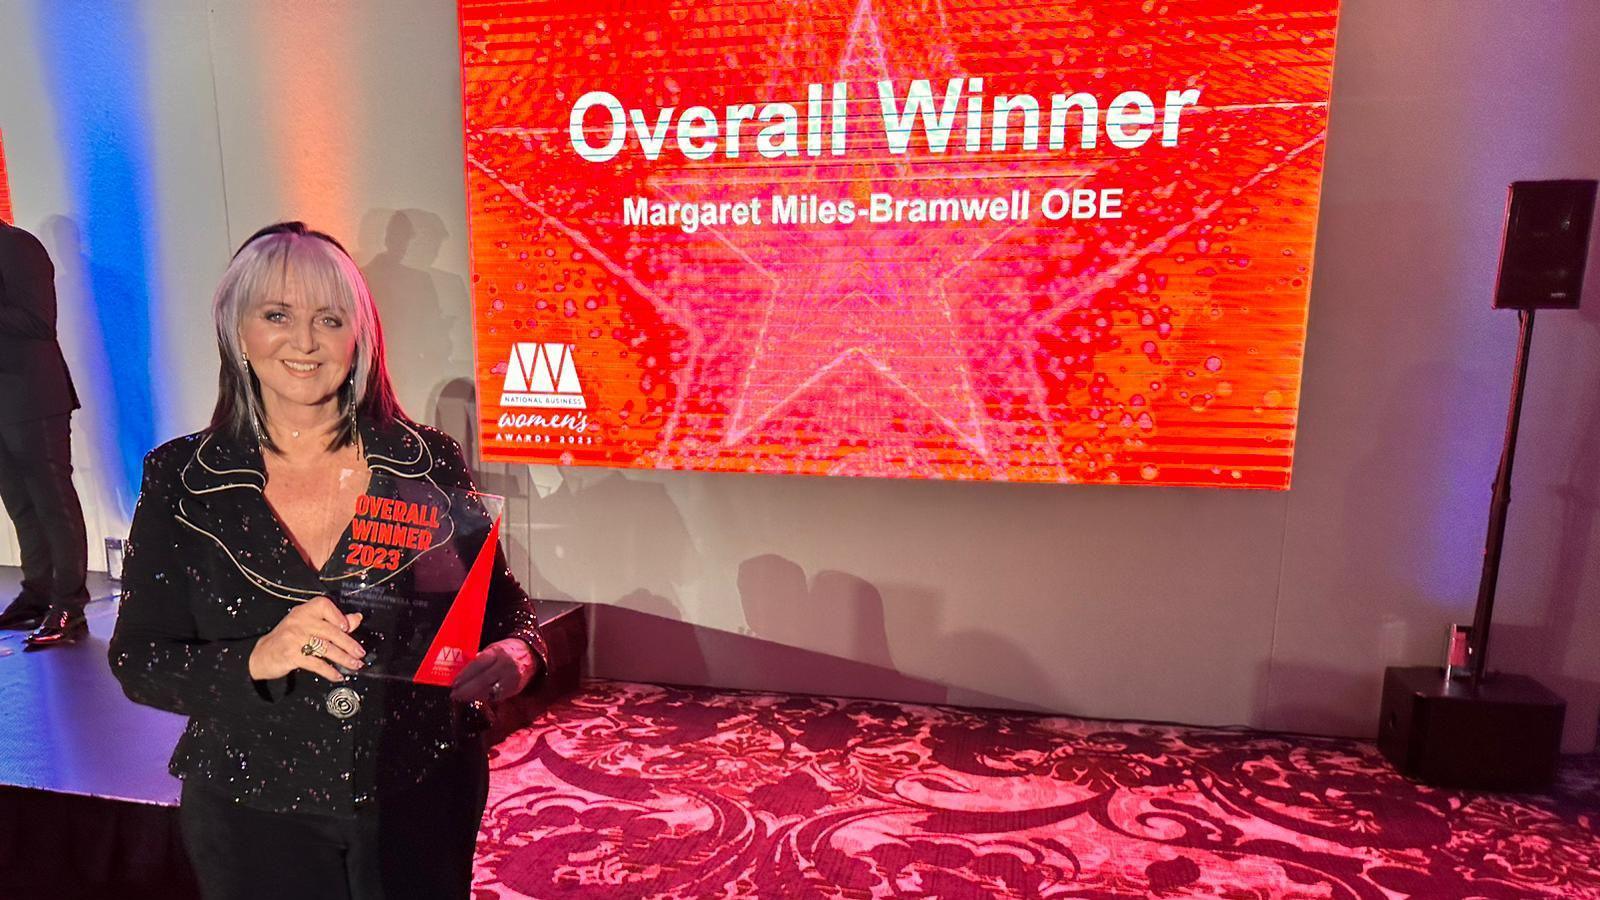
36	487
418	844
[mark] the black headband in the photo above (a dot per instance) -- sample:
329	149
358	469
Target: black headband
297	228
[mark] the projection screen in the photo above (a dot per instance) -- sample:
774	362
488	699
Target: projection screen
1050	242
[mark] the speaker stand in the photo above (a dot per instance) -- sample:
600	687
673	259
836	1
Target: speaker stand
1501	733
1493	731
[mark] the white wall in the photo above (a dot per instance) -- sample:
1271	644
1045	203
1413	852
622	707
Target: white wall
1278	610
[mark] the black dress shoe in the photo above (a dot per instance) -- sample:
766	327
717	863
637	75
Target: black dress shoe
24	614
60	626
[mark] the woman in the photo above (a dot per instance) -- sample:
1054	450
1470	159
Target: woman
298	780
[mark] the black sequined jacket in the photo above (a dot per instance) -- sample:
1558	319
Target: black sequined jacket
209	571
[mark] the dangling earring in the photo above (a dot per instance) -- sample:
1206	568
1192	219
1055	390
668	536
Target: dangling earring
355	434
249	403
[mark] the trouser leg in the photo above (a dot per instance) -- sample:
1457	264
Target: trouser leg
240	853
421	842
39	458
38	578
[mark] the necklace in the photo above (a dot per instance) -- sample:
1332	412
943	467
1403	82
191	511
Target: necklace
311	495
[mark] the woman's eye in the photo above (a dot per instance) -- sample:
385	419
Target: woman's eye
332	322
276	316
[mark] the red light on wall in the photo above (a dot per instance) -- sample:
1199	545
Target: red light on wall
5	186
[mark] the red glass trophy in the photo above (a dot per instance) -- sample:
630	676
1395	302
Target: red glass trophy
419	562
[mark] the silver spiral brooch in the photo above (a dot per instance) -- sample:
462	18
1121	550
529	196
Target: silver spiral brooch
343	702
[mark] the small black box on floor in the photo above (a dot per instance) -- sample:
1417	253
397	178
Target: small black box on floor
1505	735
566	631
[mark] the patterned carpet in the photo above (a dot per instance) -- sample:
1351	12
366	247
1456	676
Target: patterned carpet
633	790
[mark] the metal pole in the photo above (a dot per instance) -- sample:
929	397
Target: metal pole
1497	509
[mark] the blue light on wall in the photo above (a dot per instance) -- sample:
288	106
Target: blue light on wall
93	54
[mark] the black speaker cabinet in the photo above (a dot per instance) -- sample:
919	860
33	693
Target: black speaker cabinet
1546	244
1505	735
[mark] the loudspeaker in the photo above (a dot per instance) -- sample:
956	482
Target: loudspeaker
1503	735
1546	244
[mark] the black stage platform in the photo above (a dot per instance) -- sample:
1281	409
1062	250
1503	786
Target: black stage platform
87	808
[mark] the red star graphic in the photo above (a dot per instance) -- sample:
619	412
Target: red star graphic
868	296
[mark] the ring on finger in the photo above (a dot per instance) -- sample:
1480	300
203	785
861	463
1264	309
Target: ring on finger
313	647
494	691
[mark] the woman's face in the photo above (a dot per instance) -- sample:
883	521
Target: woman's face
301	349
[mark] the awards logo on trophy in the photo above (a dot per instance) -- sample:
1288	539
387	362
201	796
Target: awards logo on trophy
419	561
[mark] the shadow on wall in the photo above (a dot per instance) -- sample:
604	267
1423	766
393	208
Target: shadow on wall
1425	588
427	326
621	543
644	638
1580	509
426	314
1415	565
455	413
659	647
588	534
843	612
1544	650
600	536
606	536
81	287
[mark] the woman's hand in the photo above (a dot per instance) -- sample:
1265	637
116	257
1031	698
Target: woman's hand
280	651
503	669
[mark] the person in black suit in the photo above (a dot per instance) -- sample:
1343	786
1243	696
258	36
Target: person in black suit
303	776
36	404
